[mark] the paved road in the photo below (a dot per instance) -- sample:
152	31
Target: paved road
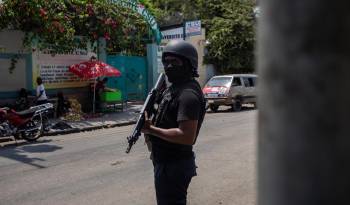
91	168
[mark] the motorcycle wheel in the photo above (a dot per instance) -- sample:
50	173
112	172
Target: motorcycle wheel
31	136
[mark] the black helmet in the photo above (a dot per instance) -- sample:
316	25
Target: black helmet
185	50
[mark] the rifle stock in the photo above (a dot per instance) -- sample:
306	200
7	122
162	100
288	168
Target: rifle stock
147	107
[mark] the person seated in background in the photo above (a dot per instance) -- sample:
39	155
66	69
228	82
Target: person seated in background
22	102
41	97
99	89
63	105
101	86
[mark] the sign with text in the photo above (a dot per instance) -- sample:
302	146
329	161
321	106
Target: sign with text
54	69
193	28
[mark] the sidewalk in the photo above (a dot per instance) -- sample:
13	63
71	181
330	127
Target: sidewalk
120	118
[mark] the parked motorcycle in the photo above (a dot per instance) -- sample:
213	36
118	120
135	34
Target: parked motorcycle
28	124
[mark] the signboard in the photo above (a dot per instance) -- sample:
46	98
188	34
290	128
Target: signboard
193	28
175	33
54	69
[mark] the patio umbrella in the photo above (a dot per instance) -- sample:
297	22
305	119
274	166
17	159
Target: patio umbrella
94	69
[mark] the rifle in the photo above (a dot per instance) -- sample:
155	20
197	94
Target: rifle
148	107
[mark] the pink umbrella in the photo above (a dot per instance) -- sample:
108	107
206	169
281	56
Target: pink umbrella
94	69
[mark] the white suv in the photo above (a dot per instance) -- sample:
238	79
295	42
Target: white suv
232	90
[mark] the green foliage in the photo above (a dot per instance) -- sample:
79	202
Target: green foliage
54	24
230	29
176	11
231	34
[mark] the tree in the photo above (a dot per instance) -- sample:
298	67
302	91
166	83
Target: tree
231	35
229	24
54	24
171	12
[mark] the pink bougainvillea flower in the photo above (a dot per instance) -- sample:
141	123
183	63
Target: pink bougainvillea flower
94	35
109	21
42	12
61	29
56	24
114	24
107	36
90	9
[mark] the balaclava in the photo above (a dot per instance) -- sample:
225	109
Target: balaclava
178	74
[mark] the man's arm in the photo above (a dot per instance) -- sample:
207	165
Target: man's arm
184	134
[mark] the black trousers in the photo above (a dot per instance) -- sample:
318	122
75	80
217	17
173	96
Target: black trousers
172	179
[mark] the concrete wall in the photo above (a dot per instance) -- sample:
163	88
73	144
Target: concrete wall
10	44
198	41
10	83
14	81
11	41
22	75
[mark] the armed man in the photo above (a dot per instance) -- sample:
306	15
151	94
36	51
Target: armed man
174	129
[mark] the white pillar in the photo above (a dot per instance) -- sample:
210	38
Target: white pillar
152	65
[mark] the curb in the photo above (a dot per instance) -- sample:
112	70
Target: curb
91	128
77	130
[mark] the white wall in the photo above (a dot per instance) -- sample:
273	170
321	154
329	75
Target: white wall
11	41
14	81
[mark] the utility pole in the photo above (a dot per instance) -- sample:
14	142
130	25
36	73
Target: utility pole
304	102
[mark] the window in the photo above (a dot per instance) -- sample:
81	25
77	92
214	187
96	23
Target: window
246	82
254	81
219	81
237	81
249	82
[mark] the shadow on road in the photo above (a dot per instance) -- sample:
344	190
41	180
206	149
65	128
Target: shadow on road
21	153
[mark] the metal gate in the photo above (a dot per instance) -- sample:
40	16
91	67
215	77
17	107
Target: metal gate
133	81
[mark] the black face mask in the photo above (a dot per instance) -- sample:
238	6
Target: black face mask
177	74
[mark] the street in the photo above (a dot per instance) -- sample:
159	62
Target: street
92	168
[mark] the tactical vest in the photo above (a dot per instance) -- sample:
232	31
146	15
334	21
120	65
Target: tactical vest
167	118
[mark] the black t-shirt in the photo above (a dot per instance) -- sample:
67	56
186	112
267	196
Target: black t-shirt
181	103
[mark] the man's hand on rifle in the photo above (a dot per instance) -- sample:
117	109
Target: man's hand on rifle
146	129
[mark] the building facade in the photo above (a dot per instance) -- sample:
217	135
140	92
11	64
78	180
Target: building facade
197	38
